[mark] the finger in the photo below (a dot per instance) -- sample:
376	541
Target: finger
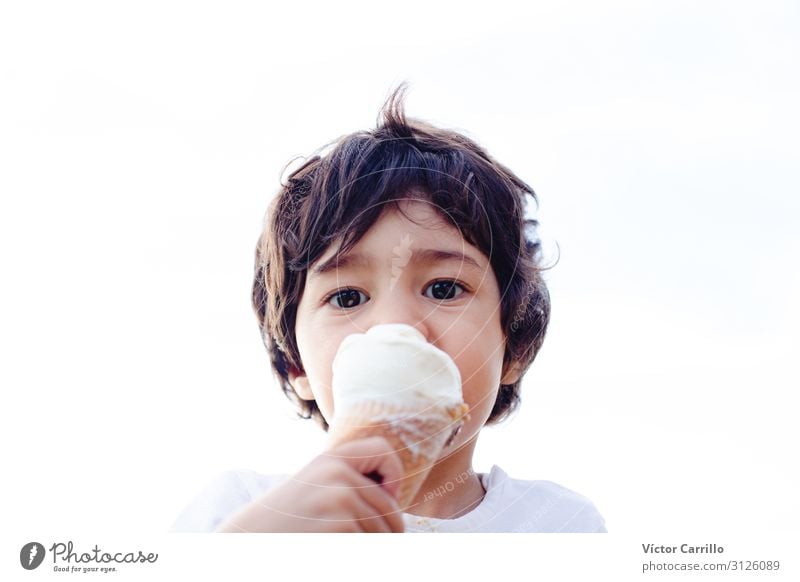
367	518
383	504
372	455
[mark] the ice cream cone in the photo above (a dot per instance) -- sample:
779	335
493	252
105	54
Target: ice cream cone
417	434
391	382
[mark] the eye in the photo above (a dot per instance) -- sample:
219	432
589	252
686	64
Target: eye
444	289
346	298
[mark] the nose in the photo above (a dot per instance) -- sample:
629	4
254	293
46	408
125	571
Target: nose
398	305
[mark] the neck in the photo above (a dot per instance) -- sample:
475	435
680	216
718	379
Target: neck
452	488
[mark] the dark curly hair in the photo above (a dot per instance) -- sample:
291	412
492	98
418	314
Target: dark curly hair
343	192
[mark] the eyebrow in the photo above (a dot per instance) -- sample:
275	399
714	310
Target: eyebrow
360	261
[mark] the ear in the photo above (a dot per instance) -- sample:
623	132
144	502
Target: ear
511	373
299	382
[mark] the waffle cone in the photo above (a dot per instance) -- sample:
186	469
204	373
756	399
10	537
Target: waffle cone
417	434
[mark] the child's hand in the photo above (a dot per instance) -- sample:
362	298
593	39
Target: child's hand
331	494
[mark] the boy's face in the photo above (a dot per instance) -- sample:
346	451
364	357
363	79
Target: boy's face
399	286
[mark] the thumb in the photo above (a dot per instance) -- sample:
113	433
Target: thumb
373	457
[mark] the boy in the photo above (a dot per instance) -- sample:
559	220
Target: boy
407	224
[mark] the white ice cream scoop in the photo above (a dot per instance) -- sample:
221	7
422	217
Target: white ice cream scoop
393	362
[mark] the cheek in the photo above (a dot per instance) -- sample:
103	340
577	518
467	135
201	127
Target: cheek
480	399
319	377
480	384
317	351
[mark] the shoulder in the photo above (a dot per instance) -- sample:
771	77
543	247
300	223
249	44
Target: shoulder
542	506
220	497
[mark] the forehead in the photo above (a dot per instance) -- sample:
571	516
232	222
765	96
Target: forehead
416	234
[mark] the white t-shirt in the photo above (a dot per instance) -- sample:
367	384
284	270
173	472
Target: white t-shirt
510	505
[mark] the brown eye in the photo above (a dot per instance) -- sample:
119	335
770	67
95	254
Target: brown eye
445	289
345	298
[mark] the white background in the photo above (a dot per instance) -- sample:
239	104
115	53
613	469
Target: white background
141	143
